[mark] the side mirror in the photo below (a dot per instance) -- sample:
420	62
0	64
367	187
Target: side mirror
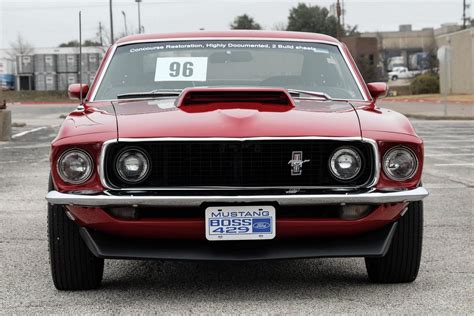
74	91
377	90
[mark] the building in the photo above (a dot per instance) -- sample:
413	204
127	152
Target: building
7	71
398	48
448	49
52	69
363	47
7	77
365	52
456	61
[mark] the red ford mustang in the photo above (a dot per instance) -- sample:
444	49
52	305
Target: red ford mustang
242	145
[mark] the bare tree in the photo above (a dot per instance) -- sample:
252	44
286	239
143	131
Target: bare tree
102	35
279	26
20	47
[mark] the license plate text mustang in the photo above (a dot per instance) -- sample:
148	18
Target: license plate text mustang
240	222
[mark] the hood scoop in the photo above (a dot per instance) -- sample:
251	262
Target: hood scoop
210	99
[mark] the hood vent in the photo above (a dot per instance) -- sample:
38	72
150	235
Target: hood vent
241	97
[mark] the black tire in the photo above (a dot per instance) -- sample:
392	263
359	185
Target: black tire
394	78
402	261
73	266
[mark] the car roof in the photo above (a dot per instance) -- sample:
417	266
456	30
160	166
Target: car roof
229	34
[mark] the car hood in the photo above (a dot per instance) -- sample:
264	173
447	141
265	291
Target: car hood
161	118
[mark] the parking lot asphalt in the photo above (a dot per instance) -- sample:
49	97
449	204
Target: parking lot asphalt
444	284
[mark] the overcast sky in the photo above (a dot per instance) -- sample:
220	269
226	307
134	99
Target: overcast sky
46	23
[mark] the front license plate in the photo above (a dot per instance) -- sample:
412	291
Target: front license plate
240	222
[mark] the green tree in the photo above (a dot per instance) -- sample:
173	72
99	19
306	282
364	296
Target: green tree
245	22
308	18
426	83
72	43
75	43
367	68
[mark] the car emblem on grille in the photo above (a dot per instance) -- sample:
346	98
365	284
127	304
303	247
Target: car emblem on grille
297	162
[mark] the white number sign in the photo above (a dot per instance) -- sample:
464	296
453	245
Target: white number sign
181	69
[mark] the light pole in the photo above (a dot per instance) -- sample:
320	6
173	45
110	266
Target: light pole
111	23
338	14
125	22
139	17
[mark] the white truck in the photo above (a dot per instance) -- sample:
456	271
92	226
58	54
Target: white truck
402	73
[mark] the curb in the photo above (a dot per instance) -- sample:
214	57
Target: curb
41	103
437	101
439	118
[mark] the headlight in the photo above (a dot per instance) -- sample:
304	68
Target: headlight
75	166
345	163
400	164
132	165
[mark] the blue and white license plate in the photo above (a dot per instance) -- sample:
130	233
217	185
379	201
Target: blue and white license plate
240	222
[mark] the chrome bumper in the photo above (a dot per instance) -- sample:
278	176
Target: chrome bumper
103	200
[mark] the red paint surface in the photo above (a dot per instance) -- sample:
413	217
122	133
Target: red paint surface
145	119
74	90
101	121
377	89
213	98
228	34
194	228
236	120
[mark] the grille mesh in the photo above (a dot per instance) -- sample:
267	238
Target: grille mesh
250	163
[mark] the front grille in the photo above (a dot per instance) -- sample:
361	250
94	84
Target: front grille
249	163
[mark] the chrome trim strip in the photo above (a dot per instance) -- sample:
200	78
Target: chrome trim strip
373	143
103	200
237	38
339	46
102	74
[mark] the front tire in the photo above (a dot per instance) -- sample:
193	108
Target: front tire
394	78
73	266
402	261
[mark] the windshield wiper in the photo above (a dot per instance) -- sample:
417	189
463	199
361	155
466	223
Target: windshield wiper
298	93
152	93
177	92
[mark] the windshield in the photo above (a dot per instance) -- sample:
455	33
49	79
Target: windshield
254	63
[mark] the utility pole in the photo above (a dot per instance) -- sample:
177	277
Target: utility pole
100	34
338	14
464	14
111	23
139	17
343	12
125	22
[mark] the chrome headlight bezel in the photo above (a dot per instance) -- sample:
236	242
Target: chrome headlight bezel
331	162
89	166
410	153
120	173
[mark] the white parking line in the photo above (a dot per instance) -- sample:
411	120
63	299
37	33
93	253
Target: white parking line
450	147
29	131
44	145
453	164
447	155
444	141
